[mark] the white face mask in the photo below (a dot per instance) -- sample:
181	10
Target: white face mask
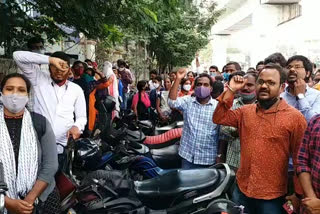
156	85
121	69
14	102
151	86
187	87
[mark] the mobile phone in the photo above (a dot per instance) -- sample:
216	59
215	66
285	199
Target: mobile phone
288	207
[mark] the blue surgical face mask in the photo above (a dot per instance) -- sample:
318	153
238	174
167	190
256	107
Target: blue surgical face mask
213	74
226	76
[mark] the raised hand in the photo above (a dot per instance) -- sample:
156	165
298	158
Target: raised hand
299	87
59	64
181	73
237	82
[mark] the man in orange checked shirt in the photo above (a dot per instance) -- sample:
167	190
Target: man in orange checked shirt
269	132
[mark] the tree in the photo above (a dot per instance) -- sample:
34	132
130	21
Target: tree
95	18
180	35
16	26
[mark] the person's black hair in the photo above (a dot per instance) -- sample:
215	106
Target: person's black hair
91	69
254	75
61	55
203	75
158	78
15	75
237	65
314	65
276	58
259	63
174	72
224	69
114	68
238	73
218	78
214	67
307	64
79	62
121	62
141	84
183	81
34	40
153	71
282	72
217	88
193	74
88	60
251	68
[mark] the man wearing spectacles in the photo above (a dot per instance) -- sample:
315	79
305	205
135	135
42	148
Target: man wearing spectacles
270	131
298	94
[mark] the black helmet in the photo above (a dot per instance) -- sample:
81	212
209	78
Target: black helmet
106	105
87	155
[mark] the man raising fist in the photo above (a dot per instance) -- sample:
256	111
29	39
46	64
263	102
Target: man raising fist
269	132
198	146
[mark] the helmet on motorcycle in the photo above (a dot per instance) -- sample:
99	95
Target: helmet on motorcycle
222	205
107	105
87	154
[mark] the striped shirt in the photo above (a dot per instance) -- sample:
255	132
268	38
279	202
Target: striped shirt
198	142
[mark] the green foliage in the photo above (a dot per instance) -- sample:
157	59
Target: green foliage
182	32
97	19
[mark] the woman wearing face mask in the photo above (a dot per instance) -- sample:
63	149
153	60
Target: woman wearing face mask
157	88
186	87
141	102
28	151
163	108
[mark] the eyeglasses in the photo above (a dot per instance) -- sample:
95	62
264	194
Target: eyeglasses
268	82
295	67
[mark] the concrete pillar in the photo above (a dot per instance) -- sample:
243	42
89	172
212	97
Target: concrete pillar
220	45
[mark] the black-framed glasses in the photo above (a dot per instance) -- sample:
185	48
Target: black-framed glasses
268	82
294	67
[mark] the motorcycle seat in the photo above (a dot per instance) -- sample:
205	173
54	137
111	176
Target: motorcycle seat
161	192
169	150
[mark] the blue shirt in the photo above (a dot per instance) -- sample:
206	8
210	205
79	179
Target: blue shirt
198	141
308	106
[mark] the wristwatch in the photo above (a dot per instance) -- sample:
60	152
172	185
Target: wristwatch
300	96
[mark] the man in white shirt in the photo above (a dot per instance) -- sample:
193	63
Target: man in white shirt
62	102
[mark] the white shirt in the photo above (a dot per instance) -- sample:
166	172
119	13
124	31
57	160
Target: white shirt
58	104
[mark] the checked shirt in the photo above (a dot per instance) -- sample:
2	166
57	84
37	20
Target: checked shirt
309	153
198	142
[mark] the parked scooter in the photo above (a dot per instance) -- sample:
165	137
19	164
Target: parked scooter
197	191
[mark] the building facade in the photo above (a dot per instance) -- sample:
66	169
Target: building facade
250	30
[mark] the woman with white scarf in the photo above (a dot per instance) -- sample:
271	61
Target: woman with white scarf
28	151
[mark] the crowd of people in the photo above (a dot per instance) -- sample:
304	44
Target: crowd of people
264	123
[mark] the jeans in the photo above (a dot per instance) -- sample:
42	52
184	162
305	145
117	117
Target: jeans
188	165
258	206
125	97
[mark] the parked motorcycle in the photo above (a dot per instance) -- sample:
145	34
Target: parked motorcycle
197	191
